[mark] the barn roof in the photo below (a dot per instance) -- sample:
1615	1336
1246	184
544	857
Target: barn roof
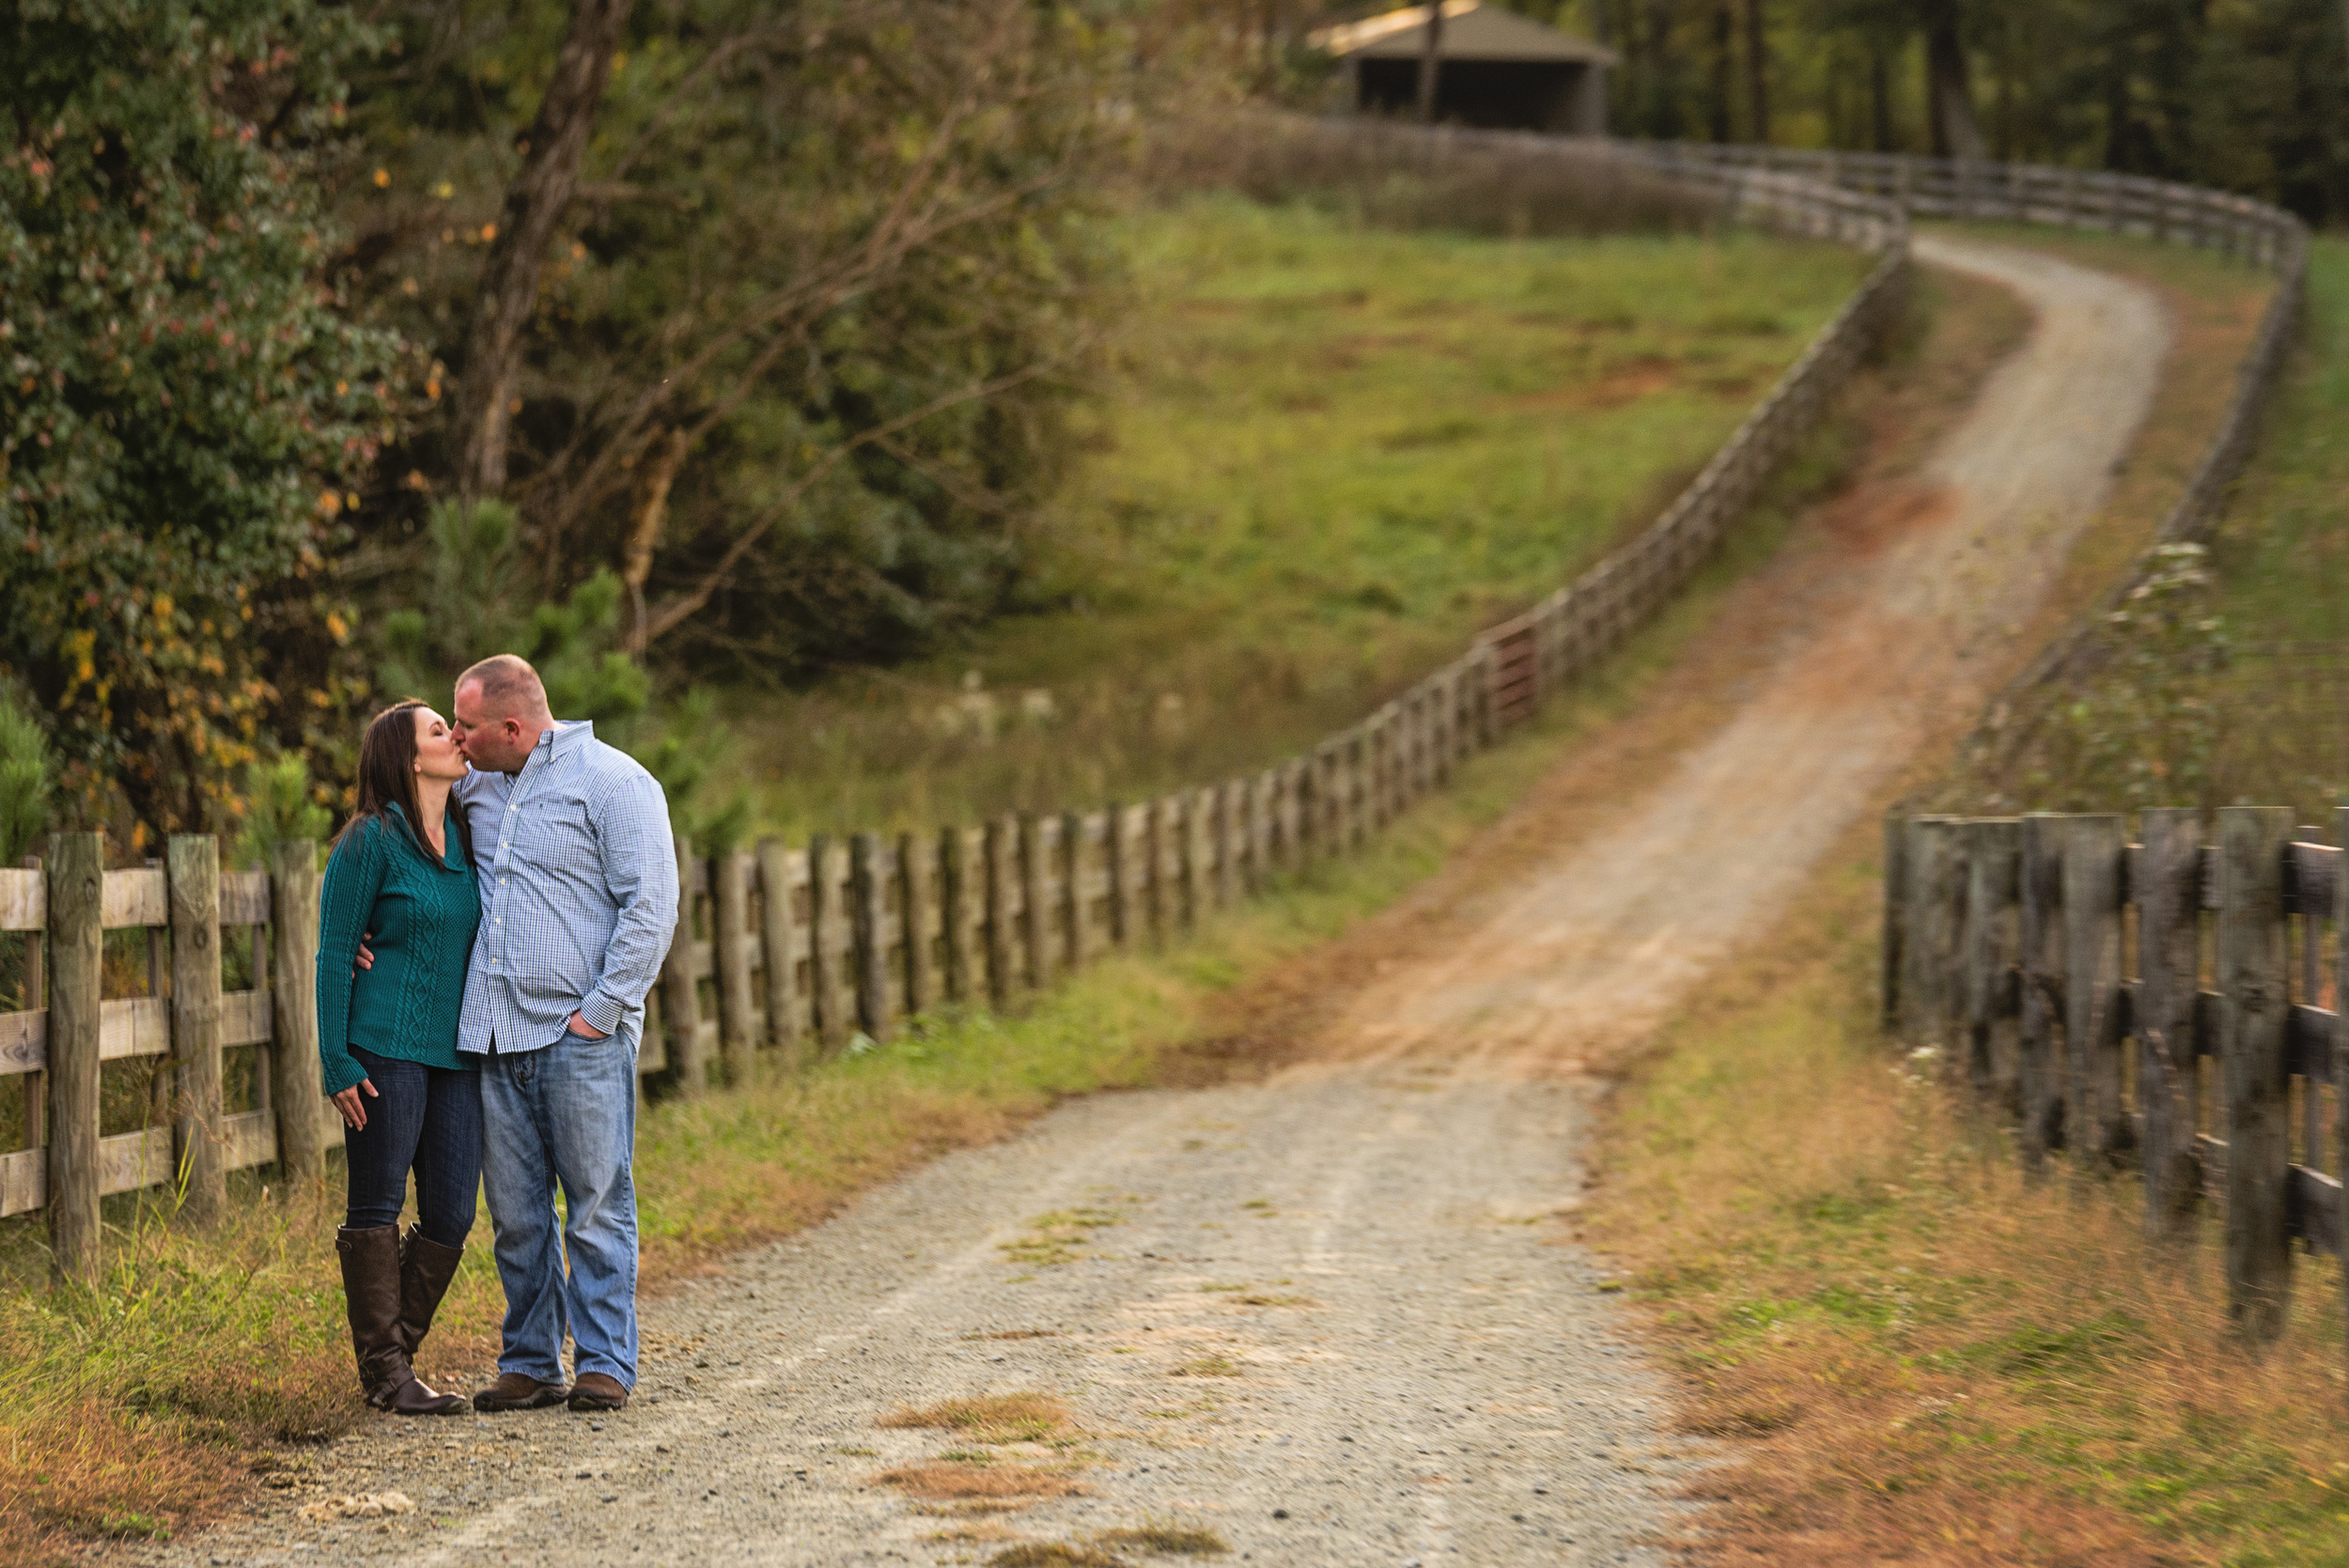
1471	31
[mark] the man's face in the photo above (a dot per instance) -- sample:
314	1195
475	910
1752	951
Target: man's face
492	746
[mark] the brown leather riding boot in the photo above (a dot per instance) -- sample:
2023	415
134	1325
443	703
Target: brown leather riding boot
371	1260
425	1268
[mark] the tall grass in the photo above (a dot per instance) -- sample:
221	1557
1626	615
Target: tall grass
1335	453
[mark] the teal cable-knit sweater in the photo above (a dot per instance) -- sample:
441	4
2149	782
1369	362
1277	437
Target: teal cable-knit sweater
418	917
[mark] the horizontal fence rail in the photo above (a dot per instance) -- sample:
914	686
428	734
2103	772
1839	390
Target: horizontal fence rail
2167	1006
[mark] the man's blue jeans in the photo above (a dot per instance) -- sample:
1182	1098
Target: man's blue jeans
564	1115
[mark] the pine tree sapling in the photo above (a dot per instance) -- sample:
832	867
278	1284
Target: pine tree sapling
280	804
27	776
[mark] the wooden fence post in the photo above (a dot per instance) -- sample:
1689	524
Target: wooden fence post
1993	847
2040	883
730	952
831	1007
2253	979
2092	848
1070	909
2340	1031
681	1006
1036	911
1227	844
955	902
775	936
1190	832
1002	868
1895	913
1121	870
917	902
1156	829
77	883
296	1084
869	960
2167	889
1930	949
196	1131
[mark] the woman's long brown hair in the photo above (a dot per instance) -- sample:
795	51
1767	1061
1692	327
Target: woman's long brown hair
387	777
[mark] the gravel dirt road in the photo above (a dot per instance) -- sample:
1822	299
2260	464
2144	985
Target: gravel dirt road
1334	1317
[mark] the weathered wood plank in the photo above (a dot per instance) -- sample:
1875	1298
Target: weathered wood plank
193	860
1003	971
680	1000
130	1161
1894	919
245	898
138	897
2253	978
782	944
297	1089
2169	960
2312	1210
868	876
2093	848
917	882
1994	847
2040	885
246	1018
23	900
248	1138
2315	867
2340	1047
24	1181
739	1024
831	942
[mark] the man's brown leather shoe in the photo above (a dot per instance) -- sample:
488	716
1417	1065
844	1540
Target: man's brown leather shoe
518	1390
596	1391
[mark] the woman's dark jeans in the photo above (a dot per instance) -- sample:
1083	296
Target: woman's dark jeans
427	1119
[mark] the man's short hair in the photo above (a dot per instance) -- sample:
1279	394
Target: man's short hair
510	688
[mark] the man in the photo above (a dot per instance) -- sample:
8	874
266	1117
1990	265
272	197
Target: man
579	893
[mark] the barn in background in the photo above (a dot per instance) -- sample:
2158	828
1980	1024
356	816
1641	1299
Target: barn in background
1495	68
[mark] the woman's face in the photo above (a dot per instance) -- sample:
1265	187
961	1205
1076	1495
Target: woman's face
437	756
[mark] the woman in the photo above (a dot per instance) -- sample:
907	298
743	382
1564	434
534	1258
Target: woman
401	875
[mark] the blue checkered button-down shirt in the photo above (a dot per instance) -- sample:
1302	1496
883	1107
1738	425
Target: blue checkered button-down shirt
578	894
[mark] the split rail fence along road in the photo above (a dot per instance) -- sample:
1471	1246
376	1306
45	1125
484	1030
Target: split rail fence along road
2035	950
792	949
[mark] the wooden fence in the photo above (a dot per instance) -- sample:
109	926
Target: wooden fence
2087	201
786	952
2083	982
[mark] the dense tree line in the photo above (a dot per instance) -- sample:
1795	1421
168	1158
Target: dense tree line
2250	95
712	335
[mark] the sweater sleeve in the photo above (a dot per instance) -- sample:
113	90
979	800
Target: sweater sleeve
354	875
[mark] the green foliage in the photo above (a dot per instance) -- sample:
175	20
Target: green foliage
2148	729
825	225
185	411
478	598
691	759
280	803
27	776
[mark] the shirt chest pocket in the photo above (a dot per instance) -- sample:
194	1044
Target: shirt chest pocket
553	834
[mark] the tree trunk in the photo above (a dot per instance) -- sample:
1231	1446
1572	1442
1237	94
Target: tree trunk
1948	86
1757	70
1724	69
535	203
1430	62
644	534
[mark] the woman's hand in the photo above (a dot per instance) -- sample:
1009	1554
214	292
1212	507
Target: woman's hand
347	1101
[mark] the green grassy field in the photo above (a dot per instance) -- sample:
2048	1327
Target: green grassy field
1332	454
